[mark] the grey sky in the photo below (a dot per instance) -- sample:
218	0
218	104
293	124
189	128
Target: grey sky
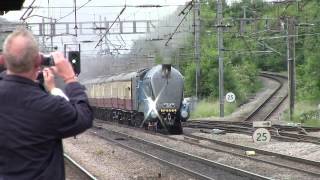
91	13
88	13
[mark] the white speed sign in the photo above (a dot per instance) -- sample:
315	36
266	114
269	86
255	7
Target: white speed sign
230	97
261	135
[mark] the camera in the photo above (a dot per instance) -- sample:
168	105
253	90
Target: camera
47	60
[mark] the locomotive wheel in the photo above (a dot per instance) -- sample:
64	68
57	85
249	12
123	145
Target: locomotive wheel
127	118
176	128
137	119
98	113
110	117
131	119
114	115
120	117
105	114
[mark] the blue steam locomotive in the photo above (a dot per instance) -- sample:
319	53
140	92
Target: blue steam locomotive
150	98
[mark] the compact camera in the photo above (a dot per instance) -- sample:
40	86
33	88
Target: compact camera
47	60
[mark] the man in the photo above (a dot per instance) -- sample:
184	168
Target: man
32	121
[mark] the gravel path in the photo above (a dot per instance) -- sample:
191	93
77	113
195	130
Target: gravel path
108	161
297	149
99	158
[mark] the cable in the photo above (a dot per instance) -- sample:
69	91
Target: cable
101	39
75	18
105	6
74	10
280	37
29	7
185	15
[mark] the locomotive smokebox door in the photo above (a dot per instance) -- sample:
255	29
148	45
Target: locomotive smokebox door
166	69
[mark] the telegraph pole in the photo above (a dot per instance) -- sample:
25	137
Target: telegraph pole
43	30
291	63
243	20
220	56
51	34
197	42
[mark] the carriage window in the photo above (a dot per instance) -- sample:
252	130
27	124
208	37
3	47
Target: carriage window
127	92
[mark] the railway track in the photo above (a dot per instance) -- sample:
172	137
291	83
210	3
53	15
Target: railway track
185	162
283	133
270	160
75	171
263	113
196	166
265	110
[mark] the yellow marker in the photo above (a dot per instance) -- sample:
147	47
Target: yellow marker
250	153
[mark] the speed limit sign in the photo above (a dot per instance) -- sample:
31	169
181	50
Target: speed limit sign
261	135
230	97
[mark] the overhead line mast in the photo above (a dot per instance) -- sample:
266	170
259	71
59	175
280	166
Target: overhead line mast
220	56
197	43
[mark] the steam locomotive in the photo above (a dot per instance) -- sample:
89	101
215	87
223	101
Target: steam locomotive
146	98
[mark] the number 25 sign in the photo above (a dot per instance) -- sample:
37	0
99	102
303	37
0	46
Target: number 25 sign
261	135
230	97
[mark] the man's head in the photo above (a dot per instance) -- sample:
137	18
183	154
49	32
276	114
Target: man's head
21	52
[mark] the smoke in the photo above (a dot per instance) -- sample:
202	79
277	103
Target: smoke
145	51
101	65
158	42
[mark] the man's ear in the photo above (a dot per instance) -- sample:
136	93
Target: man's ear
1	60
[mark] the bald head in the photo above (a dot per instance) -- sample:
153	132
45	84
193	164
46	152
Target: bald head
20	51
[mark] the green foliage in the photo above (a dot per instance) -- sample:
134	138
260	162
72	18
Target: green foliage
190	79
245	77
261	45
240	73
306	48
210	108
308	66
305	113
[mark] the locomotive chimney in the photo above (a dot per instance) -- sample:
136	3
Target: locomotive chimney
166	69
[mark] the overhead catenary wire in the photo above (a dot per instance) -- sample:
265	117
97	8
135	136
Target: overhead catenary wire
76	9
111	6
23	18
167	26
107	31
55	21
284	36
185	15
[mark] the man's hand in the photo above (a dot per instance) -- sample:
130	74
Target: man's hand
63	67
48	79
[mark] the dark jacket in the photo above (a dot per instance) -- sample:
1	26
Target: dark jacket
32	125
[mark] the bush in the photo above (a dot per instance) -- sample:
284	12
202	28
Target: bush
305	113
210	108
